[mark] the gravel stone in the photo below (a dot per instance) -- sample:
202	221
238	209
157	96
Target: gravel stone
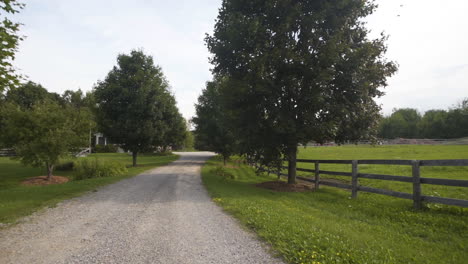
161	216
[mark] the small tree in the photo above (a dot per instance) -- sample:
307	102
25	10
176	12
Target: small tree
212	129
301	70
132	102
44	133
9	41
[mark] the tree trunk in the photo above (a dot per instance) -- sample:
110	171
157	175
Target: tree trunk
134	155
50	169
224	160
292	156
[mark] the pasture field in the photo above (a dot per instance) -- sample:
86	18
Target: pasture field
406	152
327	226
17	200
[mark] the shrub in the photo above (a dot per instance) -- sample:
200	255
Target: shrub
66	165
223	173
95	168
106	148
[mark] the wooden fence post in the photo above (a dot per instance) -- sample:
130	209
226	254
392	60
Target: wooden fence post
417	203
317	175
354	180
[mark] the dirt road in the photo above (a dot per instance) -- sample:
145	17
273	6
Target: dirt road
162	216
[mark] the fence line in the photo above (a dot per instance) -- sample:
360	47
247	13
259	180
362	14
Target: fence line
416	180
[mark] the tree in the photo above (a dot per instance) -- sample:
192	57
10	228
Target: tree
132	103
84	105
212	129
175	126
189	142
27	95
433	124
8	44
402	122
299	70
457	120
44	133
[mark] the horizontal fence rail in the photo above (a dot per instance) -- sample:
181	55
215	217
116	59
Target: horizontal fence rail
416	180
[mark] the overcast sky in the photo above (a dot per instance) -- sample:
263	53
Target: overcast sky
73	44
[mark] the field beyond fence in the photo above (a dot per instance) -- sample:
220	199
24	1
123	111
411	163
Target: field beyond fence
416	180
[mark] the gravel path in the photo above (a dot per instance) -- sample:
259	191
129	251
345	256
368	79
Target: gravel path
162	216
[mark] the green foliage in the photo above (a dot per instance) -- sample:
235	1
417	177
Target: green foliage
176	131
27	95
223	172
326	226
17	200
403	122
189	142
9	44
43	134
432	124
135	106
106	148
408	123
88	169
298	71
213	130
65	165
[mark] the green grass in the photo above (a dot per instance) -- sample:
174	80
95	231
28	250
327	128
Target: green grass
408	152
17	201
327	226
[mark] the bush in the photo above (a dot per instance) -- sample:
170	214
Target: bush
89	168
223	173
67	165
106	148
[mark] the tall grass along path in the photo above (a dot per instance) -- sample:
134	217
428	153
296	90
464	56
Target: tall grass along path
161	216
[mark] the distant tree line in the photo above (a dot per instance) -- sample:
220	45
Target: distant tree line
436	124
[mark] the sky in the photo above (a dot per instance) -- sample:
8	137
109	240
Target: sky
71	45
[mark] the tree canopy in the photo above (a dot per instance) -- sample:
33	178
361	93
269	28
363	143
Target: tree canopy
9	43
28	94
435	123
212	126
298	71
135	106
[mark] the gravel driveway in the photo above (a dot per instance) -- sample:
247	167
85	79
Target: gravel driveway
161	216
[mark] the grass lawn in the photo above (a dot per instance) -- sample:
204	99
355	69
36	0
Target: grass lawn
17	201
327	226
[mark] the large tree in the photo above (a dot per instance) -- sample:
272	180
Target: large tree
9	40
212	125
43	133
300	70
134	102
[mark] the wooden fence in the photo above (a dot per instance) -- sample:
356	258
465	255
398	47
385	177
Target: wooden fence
416	179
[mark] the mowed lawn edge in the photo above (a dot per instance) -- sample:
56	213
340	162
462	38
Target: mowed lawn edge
328	227
18	201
